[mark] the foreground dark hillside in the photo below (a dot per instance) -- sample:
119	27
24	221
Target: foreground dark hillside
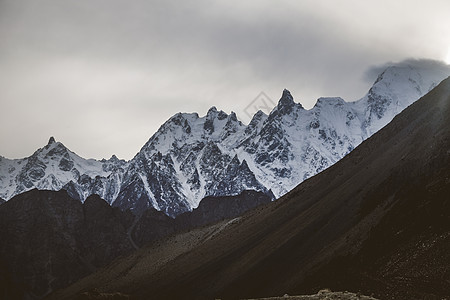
49	240
377	222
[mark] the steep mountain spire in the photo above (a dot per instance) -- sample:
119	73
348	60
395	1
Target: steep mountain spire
212	110
286	103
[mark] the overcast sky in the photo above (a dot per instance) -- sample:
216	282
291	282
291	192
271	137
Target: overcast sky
101	76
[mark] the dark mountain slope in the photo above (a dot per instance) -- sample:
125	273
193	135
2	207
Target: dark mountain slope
154	225
49	240
380	216
214	209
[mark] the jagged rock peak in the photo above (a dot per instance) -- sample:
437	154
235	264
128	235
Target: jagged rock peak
287	94
113	159
232	116
259	114
286	102
212	110
51	141
214	113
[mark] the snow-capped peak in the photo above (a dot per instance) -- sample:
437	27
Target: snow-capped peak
285	104
212	111
396	88
51	140
54	167
332	101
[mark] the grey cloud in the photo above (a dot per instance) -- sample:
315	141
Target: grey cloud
135	63
372	72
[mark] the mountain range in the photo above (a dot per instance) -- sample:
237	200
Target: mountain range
376	222
192	157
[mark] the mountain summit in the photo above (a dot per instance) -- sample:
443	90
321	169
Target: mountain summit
54	167
286	103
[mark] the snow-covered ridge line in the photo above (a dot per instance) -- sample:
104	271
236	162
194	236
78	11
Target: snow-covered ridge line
191	157
55	167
